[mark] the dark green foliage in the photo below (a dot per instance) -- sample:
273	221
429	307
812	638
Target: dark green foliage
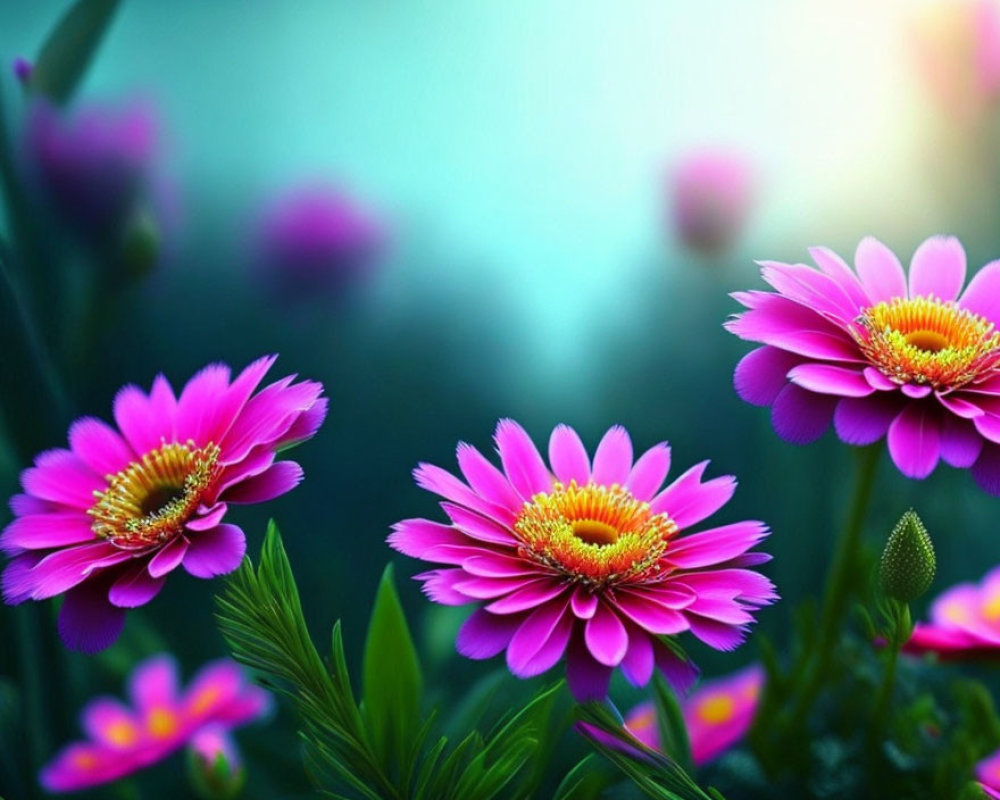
381	748
66	54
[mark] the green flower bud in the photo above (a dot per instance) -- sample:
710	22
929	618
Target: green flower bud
908	561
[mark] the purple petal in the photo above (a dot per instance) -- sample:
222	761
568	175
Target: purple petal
135	587
541	640
215	552
637	666
864	420
587	679
278	479
762	373
914	440
938	268
800	416
716	634
88	623
169	557
484	635
606	637
961	444
986	470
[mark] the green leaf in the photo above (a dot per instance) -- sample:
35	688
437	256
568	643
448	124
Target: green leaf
585	781
63	60
391	685
673	730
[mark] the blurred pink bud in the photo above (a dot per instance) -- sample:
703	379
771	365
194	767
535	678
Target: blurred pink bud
317	241
711	197
214	764
93	165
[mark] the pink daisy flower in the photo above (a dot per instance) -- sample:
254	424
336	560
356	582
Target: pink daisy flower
107	520
590	559
711	197
965	622
122	739
717	714
914	360
988	775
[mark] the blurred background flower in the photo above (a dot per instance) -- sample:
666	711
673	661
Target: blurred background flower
711	199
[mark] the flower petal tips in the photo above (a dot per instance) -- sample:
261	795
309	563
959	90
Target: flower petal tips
881	354
105	521
590	560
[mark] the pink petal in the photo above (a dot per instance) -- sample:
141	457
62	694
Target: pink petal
199	405
485	479
864	420
99	446
988	426
637	666
880	271
800	416
439	586
61	570
143	429
680	673
278	479
613	458
568	456
493	565
834	266
478	526
484	635
40	531
938	268
649	472
687	501
541	640
521	460
414	537
267	416
441	482
715	634
829	379
305	425
811	288
982	295
154	684
986	470
915	391
224	409
914	441
606	637
102	715
762	373
60	477
583	602
650	615
88	623
529	596
215	552
716	545
168	558
960	407
478	588
209	518
135	587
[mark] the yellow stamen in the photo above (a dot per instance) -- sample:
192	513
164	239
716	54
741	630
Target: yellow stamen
595	535
162	723
149	501
923	340
716	709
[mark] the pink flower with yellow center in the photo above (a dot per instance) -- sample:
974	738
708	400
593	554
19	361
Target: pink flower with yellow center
588	559
122	739
965	622
913	359
107	520
717	714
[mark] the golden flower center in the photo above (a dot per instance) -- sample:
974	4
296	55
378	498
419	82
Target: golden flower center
924	340
595	535
148	502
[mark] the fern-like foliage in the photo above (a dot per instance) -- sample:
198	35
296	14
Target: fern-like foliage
380	748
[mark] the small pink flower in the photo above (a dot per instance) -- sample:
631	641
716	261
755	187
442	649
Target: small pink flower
587	558
717	714
214	762
107	520
965	622
316	240
913	359
711	197
988	774
122	739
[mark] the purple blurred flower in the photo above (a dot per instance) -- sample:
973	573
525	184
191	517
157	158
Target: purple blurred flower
22	70
93	165
315	239
711	196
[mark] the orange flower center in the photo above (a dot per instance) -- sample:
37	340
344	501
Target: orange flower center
595	535
924	340
148	502
716	709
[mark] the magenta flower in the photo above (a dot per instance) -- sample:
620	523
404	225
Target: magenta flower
965	622
106	521
912	360
717	714
988	775
122	739
711	197
317	240
93	165
587	559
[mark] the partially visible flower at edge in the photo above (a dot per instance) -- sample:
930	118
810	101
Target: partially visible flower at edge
717	714
988	774
107	520
589	559
317	240
964	622
711	195
123	739
881	355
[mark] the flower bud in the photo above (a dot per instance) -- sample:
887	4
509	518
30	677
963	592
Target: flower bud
214	765
908	561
